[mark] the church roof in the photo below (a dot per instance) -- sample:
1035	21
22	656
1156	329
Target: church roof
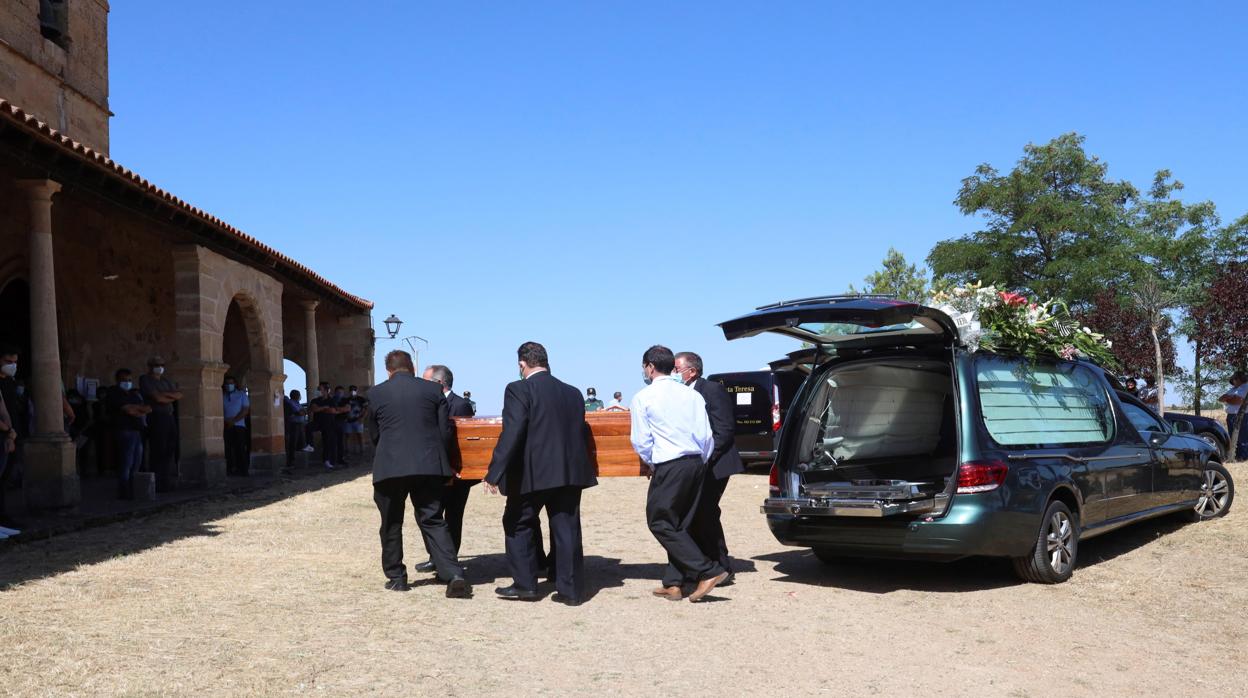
103	164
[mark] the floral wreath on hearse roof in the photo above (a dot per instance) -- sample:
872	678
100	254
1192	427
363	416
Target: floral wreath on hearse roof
997	321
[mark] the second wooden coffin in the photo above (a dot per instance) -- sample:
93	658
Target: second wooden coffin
610	450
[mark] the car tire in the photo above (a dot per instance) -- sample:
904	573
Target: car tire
1209	438
828	557
1217	492
1055	552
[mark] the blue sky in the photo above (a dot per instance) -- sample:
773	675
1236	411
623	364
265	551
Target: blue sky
601	177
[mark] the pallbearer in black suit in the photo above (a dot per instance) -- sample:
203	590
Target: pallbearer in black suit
707	529
455	499
542	460
409	427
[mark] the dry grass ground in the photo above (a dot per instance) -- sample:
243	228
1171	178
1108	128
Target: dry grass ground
280	592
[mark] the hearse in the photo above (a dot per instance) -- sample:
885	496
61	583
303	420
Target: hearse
902	442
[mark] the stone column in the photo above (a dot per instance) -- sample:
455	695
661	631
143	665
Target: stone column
51	474
201	423
268	424
313	369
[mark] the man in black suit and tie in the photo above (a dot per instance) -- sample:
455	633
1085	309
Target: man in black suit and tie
455	499
409	427
707	529
542	460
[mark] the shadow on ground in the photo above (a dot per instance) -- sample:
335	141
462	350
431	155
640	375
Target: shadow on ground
882	576
182	519
487	571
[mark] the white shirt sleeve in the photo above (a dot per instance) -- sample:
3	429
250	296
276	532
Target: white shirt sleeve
642	438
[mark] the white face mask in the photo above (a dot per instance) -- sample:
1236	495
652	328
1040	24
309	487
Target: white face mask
126	385
9	370
158	370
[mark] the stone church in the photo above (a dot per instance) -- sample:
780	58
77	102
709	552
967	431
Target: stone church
100	268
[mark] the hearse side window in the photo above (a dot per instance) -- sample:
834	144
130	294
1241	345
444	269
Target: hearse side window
1042	404
1143	420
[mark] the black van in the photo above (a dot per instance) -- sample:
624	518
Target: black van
761	404
904	443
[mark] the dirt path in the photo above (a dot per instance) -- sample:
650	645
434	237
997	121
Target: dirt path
280	592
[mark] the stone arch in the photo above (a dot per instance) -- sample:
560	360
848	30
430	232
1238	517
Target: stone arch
243	337
219	300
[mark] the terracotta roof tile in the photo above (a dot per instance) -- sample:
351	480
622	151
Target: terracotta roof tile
29	122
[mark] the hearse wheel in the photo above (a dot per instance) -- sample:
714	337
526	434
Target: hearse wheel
1217	491
1052	558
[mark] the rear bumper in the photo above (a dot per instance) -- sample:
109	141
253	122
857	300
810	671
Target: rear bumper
974	525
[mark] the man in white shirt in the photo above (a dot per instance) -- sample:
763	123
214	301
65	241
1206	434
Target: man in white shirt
672	434
1234	400
617	403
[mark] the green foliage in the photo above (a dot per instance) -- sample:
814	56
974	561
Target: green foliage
896	277
1055	226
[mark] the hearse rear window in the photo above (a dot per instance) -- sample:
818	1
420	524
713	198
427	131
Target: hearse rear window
1042	405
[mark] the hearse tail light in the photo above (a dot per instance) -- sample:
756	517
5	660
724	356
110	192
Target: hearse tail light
981	476
773	480
775	409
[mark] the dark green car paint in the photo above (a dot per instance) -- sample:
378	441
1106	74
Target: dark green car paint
1106	485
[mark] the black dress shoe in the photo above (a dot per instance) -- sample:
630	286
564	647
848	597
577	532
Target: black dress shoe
399	584
457	588
426	566
515	593
565	600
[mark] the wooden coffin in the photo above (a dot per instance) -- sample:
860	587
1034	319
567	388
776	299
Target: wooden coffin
609	448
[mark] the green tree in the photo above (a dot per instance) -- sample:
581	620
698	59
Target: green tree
1055	226
896	277
1171	269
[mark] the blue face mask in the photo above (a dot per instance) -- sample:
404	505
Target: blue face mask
126	385
229	387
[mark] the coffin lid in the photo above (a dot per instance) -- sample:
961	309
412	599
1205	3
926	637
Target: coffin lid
878	321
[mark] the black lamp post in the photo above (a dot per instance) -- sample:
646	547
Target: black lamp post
393	323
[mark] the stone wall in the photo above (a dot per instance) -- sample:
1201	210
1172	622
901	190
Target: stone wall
65	86
206	284
114	282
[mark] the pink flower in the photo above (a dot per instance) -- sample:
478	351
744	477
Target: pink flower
1067	352
1014	299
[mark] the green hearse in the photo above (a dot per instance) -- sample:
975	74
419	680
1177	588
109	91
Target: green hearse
903	442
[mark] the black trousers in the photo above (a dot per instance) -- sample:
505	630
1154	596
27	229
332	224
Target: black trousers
331	444
162	445
237	451
522	531
455	500
425	491
707	530
671	504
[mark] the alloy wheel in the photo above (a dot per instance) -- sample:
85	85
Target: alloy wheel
1214	492
1060	535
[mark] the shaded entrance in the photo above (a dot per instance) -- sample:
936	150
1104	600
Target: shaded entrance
15	328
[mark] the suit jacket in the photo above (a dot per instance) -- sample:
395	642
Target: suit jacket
457	406
724	460
543	444
409	425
